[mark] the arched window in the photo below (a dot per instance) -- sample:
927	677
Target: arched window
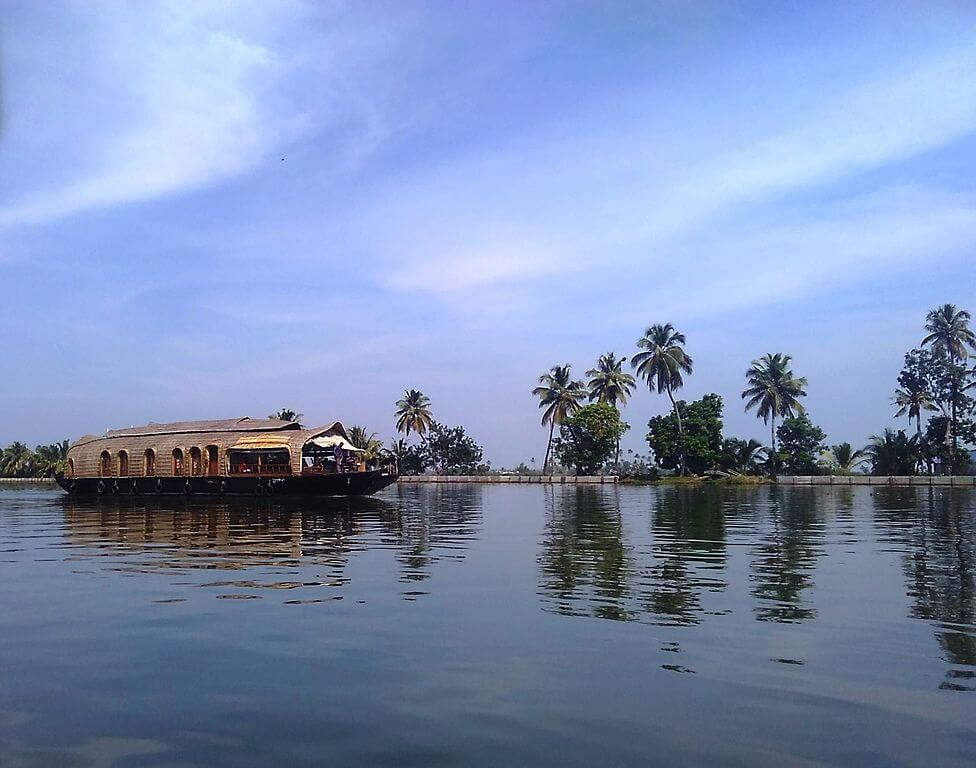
213	462
149	462
71	468
177	461
123	463
196	461
105	464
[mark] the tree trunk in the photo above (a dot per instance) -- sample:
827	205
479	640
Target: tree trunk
681	434
545	463
772	441
955	439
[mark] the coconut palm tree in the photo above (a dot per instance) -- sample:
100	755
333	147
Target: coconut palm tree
561	396
17	460
413	412
845	457
608	382
949	332
51	459
286	414
367	441
740	456
893	453
912	399
773	391
949	335
661	362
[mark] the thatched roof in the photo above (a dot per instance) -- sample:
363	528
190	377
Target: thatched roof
225	434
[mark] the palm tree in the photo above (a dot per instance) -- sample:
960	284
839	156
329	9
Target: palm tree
413	412
560	395
740	456
661	362
845	457
773	391
949	332
399	447
912	400
893	453
287	414
367	441
51	459
610	384
949	335
17	460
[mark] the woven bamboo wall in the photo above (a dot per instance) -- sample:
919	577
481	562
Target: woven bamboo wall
85	455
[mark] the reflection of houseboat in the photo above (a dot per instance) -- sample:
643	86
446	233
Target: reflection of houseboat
233	456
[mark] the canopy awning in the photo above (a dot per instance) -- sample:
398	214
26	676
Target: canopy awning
331	441
261	442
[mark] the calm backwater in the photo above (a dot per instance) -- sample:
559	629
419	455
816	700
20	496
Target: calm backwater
491	626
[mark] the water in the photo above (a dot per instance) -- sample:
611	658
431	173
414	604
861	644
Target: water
492	625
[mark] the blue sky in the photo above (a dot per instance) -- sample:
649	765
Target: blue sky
217	209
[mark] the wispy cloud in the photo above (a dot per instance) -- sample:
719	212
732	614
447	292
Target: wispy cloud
646	208
185	95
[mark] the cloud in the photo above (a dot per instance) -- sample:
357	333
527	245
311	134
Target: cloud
595	206
179	96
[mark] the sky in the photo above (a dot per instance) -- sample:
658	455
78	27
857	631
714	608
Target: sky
218	209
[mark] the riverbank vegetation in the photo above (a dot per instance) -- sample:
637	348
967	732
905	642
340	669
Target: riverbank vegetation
938	380
935	392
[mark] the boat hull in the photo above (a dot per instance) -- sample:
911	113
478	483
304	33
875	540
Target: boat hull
346	484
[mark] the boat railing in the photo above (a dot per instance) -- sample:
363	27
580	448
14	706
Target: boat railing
264	470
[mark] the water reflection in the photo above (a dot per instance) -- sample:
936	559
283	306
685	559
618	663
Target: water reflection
421	526
596	558
586	567
784	561
430	523
937	533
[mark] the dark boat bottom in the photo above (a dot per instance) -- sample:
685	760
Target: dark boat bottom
347	484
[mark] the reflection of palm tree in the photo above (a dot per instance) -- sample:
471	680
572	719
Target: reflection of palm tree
433	523
689	536
782	572
560	395
939	538
661	363
584	560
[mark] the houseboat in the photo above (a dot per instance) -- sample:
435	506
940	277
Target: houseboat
256	457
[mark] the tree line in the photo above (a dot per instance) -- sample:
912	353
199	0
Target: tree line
936	379
18	460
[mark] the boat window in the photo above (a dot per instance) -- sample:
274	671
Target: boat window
123	463
213	462
264	462
150	462
177	461
105	464
243	462
71	468
195	461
